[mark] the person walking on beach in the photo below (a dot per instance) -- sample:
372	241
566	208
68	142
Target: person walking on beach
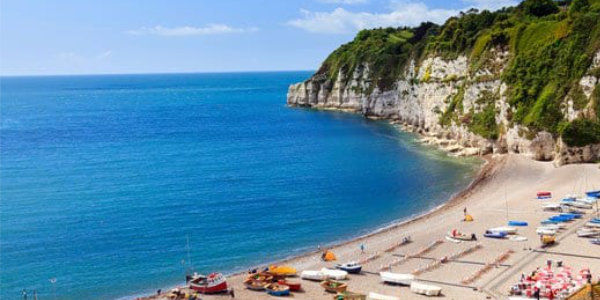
232	293
465	211
362	248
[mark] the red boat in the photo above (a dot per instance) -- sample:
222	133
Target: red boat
211	284
294	286
544	195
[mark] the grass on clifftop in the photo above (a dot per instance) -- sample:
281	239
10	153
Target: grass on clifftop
551	44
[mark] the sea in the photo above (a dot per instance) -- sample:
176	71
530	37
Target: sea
113	186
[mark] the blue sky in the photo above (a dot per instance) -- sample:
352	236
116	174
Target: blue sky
154	36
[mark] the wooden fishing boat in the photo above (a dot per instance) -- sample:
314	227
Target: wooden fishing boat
349	296
396	278
262	276
425	289
275	289
334	274
313	275
294	286
333	286
350	267
211	284
255	285
455	234
376	296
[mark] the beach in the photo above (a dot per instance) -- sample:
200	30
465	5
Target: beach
505	189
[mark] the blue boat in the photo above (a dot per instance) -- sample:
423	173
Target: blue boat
517	223
595	220
575	216
547	222
560	219
494	235
275	289
594	194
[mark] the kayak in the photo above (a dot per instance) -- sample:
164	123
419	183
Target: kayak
517	223
494	235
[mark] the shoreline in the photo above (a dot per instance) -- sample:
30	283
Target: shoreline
484	171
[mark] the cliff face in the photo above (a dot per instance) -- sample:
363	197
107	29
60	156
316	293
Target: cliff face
419	105
520	80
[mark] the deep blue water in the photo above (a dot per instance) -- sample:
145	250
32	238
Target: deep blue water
103	177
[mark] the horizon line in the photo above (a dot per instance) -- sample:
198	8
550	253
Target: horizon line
153	73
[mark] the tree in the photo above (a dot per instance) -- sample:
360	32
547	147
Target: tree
539	8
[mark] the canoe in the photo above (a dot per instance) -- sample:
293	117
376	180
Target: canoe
595	220
517	223
494	235
282	270
551	206
294	286
425	289
375	296
595	194
595	241
574	216
585	232
255	285
505	229
397	278
313	275
349	296
275	289
350	267
578	204
333	286
334	274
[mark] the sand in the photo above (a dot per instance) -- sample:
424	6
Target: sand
506	181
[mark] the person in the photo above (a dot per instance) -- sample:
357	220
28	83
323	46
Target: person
232	293
362	248
465	211
551	295
24	294
473	237
158	292
536	293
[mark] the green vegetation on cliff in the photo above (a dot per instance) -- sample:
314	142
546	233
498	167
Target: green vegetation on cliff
551	45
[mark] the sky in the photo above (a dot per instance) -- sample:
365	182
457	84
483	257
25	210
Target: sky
162	36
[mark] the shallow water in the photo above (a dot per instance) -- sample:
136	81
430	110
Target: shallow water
104	177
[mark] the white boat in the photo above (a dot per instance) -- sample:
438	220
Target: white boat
592	225
505	229
588	200
545	231
352	267
425	289
313	275
517	238
375	296
334	274
578	204
556	227
397	278
551	206
453	240
588	232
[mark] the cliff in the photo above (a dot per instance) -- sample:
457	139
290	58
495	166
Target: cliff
520	80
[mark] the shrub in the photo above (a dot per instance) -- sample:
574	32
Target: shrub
581	132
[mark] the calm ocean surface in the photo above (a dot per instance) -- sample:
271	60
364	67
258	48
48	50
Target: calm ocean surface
103	177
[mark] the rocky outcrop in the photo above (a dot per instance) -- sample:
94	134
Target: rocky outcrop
424	93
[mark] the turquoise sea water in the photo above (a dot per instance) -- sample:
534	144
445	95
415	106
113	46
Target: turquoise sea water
103	177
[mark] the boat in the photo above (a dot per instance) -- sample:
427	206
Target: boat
350	267
556	227
594	194
425	289
551	207
595	220
517	223
592	225
595	241
588	232
211	284
334	274
505	229
517	238
275	289
255	285
577	204
294	286
333	286
573	215
262	276
544	195
455	234
450	239
282	270
545	231
313	275
349	296
375	296
494	235
397	278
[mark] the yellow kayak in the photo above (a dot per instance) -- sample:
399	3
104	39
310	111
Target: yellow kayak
282	270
